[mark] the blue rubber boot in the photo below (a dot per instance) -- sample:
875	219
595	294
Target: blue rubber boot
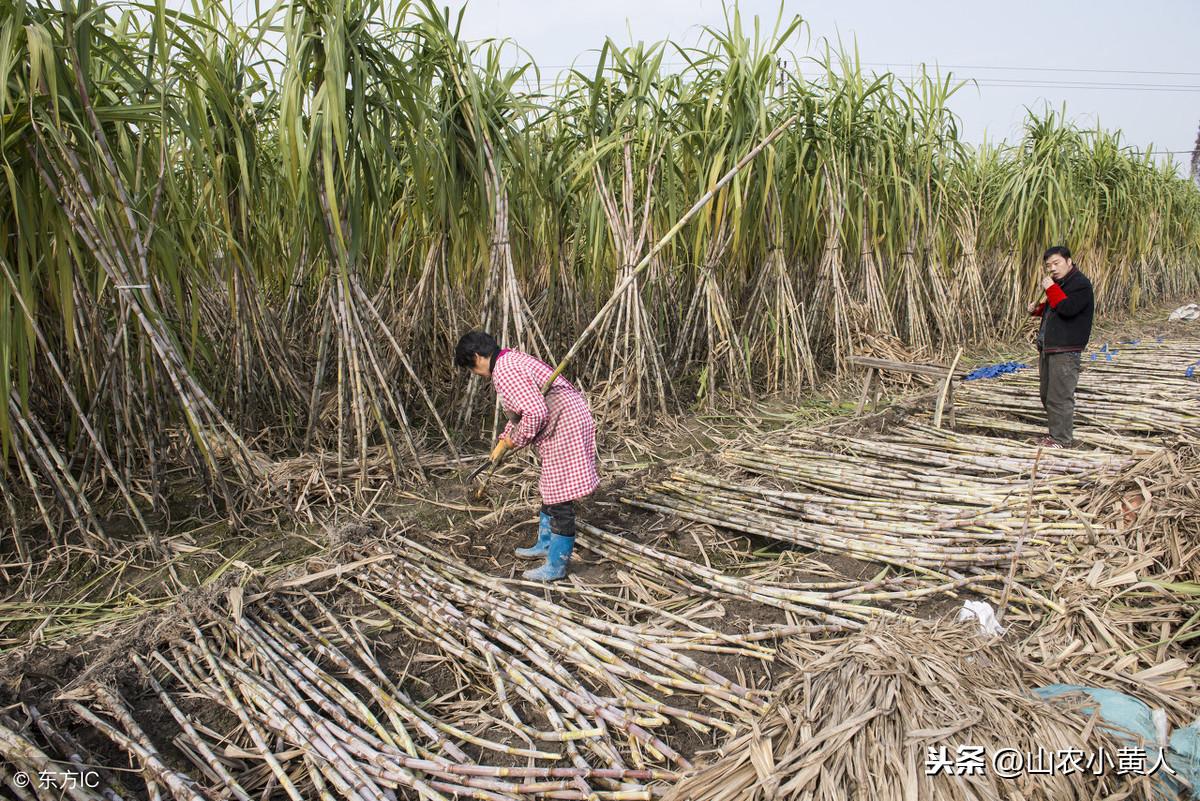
556	560
542	546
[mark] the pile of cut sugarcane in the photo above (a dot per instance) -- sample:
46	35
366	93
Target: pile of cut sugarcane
934	501
1127	392
549	702
940	502
822	605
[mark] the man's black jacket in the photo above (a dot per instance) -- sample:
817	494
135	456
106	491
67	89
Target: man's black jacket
1067	314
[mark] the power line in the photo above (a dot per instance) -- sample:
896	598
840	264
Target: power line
936	65
999	83
1029	82
1006	67
1002	83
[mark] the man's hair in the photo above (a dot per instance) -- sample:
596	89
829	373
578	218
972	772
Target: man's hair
472	343
1057	250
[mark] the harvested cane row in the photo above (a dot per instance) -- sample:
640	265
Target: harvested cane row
1127	391
551	703
843	503
926	498
830	605
957	509
958	453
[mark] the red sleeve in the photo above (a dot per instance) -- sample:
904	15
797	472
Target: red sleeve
519	393
1055	295
1041	307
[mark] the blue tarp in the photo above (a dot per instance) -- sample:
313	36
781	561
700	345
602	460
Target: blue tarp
1132	721
993	370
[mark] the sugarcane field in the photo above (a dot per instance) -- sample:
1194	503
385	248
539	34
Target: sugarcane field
393	412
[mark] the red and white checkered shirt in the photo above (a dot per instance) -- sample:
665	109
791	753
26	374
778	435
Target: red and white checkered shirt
563	432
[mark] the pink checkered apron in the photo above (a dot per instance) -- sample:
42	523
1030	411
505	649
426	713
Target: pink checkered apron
559	425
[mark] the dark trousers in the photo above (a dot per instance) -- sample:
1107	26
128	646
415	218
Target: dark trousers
1059	373
562	517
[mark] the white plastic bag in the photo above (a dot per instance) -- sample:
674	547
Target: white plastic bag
1188	312
981	611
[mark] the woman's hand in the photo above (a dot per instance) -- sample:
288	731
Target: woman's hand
505	444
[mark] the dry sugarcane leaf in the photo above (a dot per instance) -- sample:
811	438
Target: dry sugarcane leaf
762	757
871	712
236	597
943	733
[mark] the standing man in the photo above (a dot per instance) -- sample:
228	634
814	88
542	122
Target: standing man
1066	326
560	428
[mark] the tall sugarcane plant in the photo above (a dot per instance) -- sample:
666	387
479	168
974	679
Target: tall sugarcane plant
483	128
621	117
227	244
732	102
344	129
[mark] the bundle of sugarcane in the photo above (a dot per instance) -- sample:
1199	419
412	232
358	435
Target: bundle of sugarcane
875	510
829	605
885	476
945	449
1157	353
589	705
1092	437
1139	413
895	712
1127	371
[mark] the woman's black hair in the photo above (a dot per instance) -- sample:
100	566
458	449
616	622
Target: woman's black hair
474	343
1057	250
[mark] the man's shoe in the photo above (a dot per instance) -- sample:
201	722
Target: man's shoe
1049	442
542	546
556	560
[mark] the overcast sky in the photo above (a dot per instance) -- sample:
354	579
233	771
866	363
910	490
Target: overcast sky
1103	58
1126	65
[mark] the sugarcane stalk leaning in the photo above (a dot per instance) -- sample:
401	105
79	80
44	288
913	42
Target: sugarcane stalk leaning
501	448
